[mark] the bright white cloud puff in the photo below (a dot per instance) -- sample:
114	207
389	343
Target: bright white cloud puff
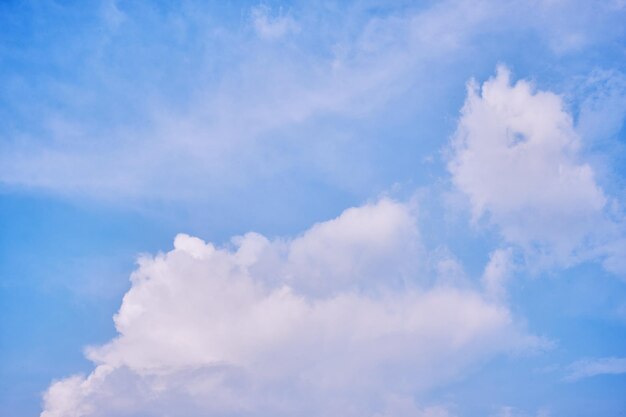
516	156
333	322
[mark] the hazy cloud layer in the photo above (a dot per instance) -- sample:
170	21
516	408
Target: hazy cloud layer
227	105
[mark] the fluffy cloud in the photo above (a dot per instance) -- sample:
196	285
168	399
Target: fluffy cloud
516	155
333	322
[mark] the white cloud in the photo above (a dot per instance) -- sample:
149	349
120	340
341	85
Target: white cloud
220	130
405	407
333	322
497	272
587	368
513	412
237	88
516	156
272	27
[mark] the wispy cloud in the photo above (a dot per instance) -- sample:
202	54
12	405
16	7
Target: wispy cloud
217	106
587	368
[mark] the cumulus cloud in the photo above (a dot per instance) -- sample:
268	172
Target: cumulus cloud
333	322
587	368
517	157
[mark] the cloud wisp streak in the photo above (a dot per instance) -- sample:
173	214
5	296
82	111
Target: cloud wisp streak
587	368
221	97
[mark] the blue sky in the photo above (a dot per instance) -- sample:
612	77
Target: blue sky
358	208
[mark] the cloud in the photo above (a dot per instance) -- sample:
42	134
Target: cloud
405	407
517	157
588	368
513	412
272	27
191	130
497	272
601	113
333	322
228	104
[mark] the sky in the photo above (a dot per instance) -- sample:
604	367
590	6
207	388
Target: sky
338	208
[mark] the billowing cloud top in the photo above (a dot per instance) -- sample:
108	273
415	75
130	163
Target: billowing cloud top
334	322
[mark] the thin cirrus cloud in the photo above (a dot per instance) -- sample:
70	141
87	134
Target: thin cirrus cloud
332	322
587	368
269	86
272	27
